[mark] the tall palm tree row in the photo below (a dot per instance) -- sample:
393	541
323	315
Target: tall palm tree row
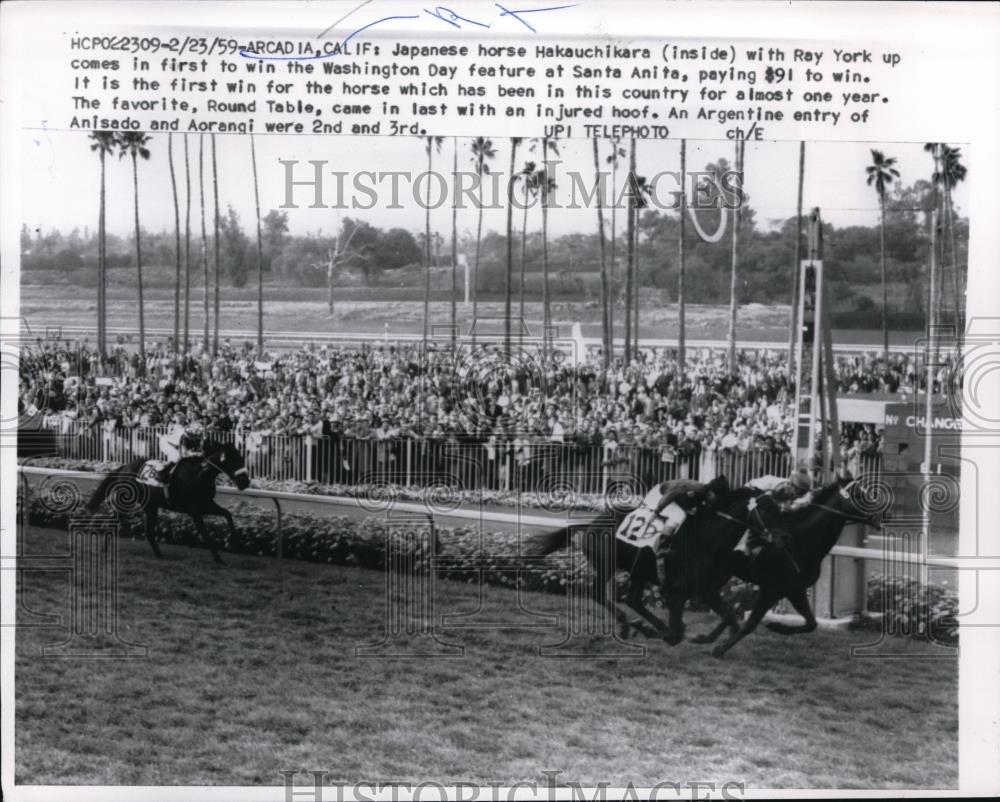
948	171
882	172
133	144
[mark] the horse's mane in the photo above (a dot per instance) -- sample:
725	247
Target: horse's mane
821	496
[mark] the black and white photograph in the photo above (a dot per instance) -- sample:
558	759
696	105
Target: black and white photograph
369	444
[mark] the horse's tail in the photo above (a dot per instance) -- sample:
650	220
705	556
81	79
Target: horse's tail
547	542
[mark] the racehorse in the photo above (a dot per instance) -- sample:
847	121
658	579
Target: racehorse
608	554
191	491
786	567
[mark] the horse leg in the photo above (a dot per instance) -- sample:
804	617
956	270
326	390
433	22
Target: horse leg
199	524
151	519
764	603
801	604
227	516
725	611
634	600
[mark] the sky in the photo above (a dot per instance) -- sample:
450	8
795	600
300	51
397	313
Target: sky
60	177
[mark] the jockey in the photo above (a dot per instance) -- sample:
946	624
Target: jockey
672	501
179	442
788	493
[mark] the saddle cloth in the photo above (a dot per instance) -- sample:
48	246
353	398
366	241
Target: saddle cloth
149	472
641	528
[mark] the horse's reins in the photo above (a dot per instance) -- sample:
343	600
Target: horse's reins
752	508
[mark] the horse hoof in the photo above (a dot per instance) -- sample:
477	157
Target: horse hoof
719	652
624	630
672	639
699	639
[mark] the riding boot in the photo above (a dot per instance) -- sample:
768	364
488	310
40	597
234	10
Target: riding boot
661	569
164	474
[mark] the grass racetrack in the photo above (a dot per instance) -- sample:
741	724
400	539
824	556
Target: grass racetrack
252	669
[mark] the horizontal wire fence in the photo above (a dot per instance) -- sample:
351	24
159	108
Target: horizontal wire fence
549	467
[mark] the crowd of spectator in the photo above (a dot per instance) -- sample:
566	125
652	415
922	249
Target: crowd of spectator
391	391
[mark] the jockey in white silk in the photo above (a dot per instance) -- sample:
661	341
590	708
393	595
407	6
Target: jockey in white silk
789	493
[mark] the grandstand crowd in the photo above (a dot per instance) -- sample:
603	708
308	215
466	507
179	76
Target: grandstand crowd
392	391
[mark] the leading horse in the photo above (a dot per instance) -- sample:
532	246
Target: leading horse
191	491
787	566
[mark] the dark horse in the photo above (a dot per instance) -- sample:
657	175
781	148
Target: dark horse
191	491
785	568
607	554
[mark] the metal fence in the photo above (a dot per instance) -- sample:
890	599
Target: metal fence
527	466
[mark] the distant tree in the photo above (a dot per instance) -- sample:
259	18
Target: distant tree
235	249
394	249
482	154
275	225
177	238
104	142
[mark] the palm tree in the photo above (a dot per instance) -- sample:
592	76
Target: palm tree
215	238
204	236
617	152
433	143
260	255
482	153
630	250
177	246
187	248
680	262
134	144
794	312
740	148
948	171
527	177
104	142
881	173
953	172
546	185
605	327
454	249
508	281
643	190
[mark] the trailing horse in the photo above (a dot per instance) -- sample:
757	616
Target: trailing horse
191	491
608	554
784	569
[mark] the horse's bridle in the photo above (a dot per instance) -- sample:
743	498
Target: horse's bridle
220	469
845	493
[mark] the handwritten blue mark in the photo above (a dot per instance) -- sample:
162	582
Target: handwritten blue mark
440	13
